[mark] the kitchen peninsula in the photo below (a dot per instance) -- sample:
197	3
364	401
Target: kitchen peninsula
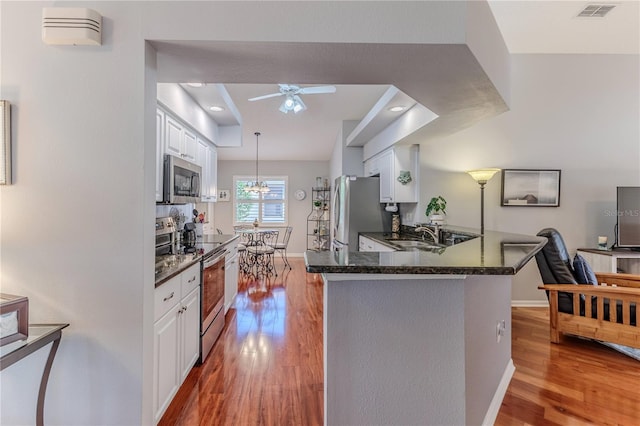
419	337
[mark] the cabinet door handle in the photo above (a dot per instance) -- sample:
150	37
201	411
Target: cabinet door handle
192	279
168	297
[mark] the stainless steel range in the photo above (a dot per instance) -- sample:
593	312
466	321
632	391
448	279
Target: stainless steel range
212	312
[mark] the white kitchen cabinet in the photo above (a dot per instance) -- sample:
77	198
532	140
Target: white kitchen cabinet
385	169
189	146
174	135
160	150
189	323
165	372
371	167
176	339
213	173
367	244
388	165
179	139
231	269
207	158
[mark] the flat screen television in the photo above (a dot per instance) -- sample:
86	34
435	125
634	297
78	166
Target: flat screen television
628	213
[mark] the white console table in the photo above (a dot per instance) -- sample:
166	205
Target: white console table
618	260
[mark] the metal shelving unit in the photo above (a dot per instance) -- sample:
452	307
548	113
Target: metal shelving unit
318	221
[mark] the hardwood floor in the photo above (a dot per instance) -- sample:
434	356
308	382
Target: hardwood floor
267	367
576	382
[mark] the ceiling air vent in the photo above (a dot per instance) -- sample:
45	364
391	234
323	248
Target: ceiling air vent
596	10
71	25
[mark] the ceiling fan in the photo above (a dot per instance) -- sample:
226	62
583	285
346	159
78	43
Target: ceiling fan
293	102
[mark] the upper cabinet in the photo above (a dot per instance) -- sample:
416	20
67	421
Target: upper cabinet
160	151
398	171
180	141
207	158
176	138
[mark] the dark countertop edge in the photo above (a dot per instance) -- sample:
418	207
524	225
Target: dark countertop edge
427	270
192	262
411	270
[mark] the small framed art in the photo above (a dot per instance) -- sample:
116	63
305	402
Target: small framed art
530	188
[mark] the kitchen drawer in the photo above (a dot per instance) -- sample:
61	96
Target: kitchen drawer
190	279
232	248
166	297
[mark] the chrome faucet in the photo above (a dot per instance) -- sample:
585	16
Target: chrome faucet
426	230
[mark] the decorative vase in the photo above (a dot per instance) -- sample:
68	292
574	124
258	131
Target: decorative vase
437	219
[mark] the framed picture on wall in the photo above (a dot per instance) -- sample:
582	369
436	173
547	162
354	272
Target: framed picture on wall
530	188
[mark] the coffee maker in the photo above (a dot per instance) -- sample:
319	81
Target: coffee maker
189	237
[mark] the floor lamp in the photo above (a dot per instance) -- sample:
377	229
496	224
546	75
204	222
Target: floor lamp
482	176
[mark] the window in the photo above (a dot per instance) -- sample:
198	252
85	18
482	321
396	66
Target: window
270	208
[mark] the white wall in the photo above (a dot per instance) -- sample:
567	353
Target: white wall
174	98
83	252
577	113
301	175
346	160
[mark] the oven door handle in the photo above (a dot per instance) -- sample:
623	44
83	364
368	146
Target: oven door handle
214	259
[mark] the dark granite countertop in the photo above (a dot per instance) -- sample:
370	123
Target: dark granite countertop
496	253
169	266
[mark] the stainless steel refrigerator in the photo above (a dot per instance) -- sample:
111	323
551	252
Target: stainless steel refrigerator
356	208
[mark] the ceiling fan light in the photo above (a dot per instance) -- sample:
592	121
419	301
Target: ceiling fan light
298	106
289	103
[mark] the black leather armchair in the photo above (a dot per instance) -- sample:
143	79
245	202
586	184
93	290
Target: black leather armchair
583	310
554	264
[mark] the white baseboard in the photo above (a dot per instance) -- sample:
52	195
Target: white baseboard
529	304
295	254
501	391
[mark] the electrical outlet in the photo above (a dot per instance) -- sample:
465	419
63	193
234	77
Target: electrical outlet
501	327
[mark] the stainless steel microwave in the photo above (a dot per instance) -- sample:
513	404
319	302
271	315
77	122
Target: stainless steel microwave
181	181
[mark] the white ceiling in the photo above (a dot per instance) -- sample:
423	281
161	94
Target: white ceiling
538	26
532	26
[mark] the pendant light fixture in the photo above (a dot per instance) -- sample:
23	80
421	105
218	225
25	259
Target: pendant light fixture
257	186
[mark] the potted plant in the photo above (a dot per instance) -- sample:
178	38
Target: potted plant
436	209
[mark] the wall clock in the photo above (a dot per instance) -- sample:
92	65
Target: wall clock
300	194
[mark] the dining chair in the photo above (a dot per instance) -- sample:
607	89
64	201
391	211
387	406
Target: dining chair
245	240
260	254
282	246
